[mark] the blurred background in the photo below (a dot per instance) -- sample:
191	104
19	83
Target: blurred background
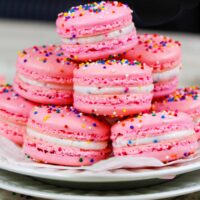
24	23
177	15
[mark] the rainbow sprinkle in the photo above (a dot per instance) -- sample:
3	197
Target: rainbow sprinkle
93	8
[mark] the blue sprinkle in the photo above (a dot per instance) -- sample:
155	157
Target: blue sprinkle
94	124
131	127
130	142
35	113
6	91
155	141
58	111
163	116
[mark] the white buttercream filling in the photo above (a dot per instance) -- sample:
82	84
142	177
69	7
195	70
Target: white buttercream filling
87	145
121	142
112	90
167	75
42	84
94	39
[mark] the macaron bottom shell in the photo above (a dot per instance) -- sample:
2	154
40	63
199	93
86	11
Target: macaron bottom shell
50	153
165	151
99	51
13	132
164	88
109	105
42	94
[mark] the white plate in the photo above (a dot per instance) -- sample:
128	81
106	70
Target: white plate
12	159
182	185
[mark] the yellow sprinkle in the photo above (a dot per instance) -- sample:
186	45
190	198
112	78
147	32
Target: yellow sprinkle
124	110
20	54
83	125
46	118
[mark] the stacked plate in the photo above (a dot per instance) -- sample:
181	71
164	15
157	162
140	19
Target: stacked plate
51	182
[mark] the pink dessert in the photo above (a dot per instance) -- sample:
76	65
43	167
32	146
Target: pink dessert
167	136
97	30
14	113
63	136
163	54
113	88
184	100
44	75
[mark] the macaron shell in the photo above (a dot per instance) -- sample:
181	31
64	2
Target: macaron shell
139	126
42	94
52	154
165	151
14	106
159	52
164	88
13	132
102	50
183	99
72	123
112	105
113	68
45	61
91	19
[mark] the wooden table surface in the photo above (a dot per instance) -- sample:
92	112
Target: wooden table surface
16	35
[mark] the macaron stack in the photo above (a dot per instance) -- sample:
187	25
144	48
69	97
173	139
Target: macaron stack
102	71
163	55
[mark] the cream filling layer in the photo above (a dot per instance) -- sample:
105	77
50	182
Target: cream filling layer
87	145
121	142
41	84
99	38
167	75
113	90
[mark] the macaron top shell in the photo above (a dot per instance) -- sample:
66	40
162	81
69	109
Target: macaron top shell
46	60
114	69
183	99
11	102
69	120
157	51
148	122
93	18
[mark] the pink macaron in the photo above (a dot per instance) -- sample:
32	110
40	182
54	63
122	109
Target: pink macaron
63	136
184	100
14	113
96	30
113	88
167	136
44	75
163	54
